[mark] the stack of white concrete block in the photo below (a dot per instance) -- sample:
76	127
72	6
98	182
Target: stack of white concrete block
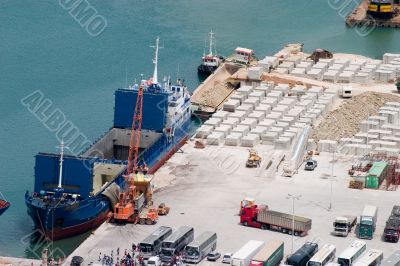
254	73
379	133
266	114
268	63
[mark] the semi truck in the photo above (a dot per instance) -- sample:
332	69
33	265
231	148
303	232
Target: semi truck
260	216
368	220
392	229
343	224
303	254
244	255
270	255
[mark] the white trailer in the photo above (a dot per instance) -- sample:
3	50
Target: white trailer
244	255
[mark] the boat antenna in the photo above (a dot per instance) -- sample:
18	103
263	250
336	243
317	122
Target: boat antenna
155	60
211	41
215	47
177	72
205	45
126	75
61	163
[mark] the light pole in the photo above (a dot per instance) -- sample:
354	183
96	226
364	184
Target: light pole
293	197
331	192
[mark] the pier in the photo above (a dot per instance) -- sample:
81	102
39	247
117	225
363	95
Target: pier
211	94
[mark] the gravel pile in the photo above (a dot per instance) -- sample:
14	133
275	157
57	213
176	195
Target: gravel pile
345	121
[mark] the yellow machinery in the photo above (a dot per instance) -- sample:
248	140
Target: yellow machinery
254	159
382	9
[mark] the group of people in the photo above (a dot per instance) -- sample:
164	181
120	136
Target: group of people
131	257
127	258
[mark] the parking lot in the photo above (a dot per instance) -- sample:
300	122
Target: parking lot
204	188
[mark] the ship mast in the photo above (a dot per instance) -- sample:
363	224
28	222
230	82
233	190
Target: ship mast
155	61
61	164
211	42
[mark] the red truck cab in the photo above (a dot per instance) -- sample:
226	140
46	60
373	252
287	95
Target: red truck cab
392	228
391	234
248	213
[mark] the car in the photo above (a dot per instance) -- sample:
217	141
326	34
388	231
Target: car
227	258
76	261
310	164
213	256
154	261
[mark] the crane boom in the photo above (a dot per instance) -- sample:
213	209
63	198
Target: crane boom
135	133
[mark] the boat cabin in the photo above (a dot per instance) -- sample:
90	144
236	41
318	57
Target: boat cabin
243	55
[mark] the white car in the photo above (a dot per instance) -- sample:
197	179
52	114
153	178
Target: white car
154	261
227	258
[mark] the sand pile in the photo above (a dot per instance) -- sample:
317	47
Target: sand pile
344	121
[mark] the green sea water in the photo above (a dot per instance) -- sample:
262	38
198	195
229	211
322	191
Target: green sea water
44	47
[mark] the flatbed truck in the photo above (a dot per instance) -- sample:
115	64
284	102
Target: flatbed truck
344	224
260	216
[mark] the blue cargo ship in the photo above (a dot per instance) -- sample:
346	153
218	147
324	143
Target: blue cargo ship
74	194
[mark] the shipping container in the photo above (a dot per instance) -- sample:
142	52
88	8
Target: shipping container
376	175
270	255
243	256
283	221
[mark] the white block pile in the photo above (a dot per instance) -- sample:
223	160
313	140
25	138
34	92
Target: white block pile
233	139
213	122
231	105
284	88
287	65
379	133
327	145
247	108
268	115
204	131
298	90
250	140
255	72
315	73
215	138
330	76
346	77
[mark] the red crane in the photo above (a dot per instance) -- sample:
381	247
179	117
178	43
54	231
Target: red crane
135	134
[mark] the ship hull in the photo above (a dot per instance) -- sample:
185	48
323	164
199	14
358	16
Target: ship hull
92	212
206	70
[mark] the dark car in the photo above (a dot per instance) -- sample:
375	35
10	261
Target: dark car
213	256
76	261
310	164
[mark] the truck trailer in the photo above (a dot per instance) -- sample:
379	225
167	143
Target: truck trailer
368	220
270	255
260	216
392	229
343	225
243	256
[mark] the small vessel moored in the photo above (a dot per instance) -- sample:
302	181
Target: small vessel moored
211	61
